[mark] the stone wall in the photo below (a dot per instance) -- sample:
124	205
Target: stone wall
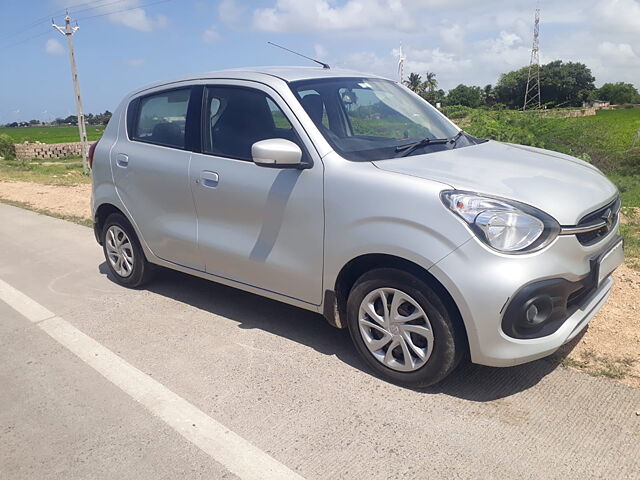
567	113
28	150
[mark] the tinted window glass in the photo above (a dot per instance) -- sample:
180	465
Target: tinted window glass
313	104
279	120
236	118
162	118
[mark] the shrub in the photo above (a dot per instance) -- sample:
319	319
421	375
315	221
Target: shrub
7	149
456	111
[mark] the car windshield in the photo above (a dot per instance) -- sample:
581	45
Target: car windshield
366	119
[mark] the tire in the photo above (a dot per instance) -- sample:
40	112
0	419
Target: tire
442	348
119	241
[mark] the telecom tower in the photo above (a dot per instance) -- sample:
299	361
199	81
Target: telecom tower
532	94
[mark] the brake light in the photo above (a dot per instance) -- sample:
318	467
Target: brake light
92	150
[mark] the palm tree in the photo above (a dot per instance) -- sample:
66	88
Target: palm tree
430	82
414	82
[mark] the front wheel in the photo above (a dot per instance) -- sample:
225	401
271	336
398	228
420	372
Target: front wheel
402	329
124	255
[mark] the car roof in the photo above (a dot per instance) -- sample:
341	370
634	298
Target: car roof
264	74
292	74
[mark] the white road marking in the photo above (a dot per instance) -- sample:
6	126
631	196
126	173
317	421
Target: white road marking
226	447
24	305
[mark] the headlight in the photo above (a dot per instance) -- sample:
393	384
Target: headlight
505	225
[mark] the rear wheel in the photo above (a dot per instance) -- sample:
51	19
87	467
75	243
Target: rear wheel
402	329
124	255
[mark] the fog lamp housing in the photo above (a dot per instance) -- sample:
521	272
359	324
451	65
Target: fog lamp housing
540	308
537	311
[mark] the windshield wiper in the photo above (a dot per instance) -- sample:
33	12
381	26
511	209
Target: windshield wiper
412	147
455	138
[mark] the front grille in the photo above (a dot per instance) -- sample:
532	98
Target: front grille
589	238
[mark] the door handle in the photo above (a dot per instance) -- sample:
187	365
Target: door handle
122	160
209	179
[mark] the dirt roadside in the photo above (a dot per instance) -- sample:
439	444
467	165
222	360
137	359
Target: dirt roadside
610	346
60	200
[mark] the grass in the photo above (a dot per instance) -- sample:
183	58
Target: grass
608	139
60	134
630	230
70	218
66	171
601	366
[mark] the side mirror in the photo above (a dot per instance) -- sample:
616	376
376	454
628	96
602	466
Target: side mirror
277	153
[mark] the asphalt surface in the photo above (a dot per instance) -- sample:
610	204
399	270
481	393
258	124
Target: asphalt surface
278	377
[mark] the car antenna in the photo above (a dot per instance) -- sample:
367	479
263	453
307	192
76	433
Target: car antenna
324	65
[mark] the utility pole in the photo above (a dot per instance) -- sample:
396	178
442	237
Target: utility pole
532	93
401	61
68	32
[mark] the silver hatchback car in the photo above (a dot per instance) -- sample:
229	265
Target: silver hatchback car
348	195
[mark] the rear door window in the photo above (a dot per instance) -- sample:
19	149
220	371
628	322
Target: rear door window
162	118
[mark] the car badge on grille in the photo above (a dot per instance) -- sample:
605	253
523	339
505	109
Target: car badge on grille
608	218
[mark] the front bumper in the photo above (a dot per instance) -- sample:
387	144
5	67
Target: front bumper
483	282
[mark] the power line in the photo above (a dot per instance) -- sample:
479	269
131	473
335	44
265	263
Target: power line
4	47
124	9
24	40
46	18
83	4
113	2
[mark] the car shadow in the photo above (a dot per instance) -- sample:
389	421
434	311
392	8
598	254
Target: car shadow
469	381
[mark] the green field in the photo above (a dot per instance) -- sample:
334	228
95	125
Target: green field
608	139
52	134
64	171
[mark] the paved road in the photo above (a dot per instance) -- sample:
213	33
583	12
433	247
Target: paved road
278	378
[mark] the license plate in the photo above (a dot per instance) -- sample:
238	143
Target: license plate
610	261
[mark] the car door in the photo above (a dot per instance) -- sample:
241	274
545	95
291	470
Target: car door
150	165
259	226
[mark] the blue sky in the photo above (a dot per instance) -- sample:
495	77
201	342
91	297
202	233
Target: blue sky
463	41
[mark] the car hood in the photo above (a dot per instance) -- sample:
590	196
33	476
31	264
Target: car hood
562	186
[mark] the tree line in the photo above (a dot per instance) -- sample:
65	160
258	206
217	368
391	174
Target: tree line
89	118
562	84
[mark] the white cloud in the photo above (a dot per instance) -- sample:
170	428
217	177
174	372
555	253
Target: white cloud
135	62
619	54
621	15
449	68
452	37
321	51
493	56
138	19
367	62
54	47
210	35
230	12
322	15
